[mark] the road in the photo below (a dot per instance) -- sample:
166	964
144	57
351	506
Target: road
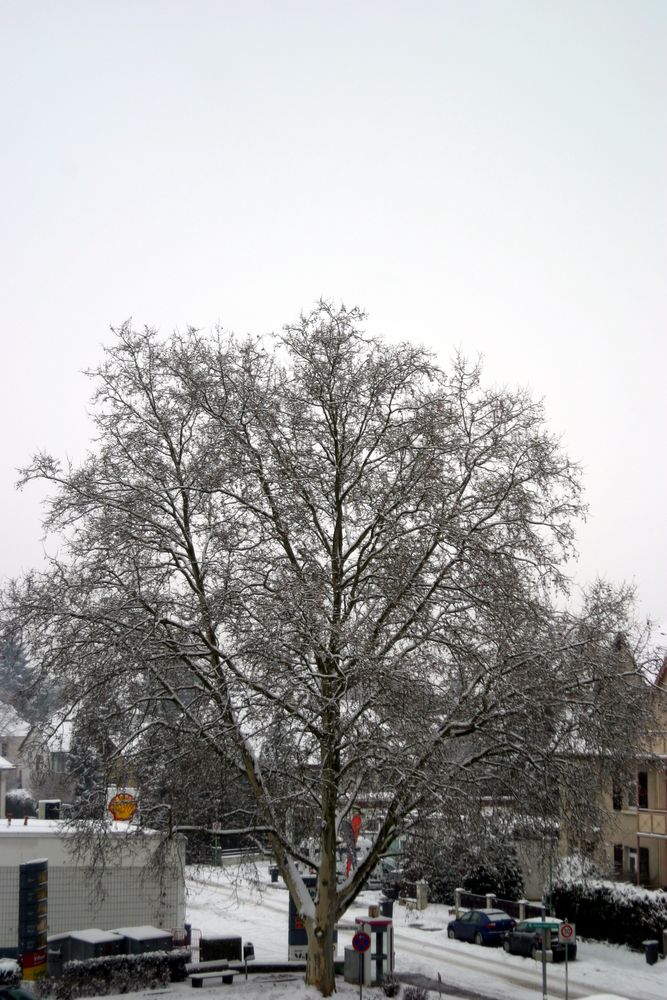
423	949
480	960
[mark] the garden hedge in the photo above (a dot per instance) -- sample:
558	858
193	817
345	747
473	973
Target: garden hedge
617	912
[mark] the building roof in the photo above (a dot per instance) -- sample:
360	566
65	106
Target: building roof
61	828
11	723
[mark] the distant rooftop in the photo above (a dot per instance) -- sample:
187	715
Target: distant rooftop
11	723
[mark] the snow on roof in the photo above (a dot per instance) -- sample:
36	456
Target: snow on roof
6	765
11	723
94	936
145	933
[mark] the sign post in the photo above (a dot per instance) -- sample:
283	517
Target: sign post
544	954
361	942
568	935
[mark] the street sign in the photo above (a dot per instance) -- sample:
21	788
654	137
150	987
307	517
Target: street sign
567	933
361	941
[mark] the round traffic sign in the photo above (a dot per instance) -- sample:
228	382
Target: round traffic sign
361	941
566	932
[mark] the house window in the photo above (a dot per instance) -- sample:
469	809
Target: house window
4	748
617	797
632	795
642	789
59	761
643	865
618	858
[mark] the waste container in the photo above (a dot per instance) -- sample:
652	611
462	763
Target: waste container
387	907
273	872
651	951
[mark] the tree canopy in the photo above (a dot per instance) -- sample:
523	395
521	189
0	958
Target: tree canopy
339	569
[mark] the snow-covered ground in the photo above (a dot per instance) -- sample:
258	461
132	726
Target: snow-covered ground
225	901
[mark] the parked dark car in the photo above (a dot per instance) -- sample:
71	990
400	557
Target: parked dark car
526	939
481	926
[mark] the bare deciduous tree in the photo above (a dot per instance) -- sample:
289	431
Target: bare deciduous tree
341	569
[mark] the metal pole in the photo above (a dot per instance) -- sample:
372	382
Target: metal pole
544	957
362	956
567	948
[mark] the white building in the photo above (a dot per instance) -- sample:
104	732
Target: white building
123	887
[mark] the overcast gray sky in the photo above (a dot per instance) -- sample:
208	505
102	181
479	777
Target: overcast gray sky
482	174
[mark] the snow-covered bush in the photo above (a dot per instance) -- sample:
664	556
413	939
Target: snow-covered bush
611	911
116	974
391	985
10	972
500	875
577	868
415	993
19	802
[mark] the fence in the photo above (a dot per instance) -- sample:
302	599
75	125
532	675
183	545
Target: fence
187	937
519	909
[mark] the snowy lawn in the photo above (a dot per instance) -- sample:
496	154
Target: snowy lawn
225	901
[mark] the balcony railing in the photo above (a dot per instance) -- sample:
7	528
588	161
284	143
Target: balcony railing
652	822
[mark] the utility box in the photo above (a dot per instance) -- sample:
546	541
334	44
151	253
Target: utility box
353	960
92	943
56	950
138	940
48	809
214	949
80	945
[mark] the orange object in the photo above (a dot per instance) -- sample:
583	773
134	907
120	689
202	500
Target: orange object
123	806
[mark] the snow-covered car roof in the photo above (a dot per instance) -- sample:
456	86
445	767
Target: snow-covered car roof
538	920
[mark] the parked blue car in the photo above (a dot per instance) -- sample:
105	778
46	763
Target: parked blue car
481	926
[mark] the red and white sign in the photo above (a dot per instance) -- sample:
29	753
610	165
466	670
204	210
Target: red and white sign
361	941
567	933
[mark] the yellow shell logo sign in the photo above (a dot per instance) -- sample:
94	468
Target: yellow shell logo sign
123	806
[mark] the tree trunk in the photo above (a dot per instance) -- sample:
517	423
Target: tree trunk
320	966
320	969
